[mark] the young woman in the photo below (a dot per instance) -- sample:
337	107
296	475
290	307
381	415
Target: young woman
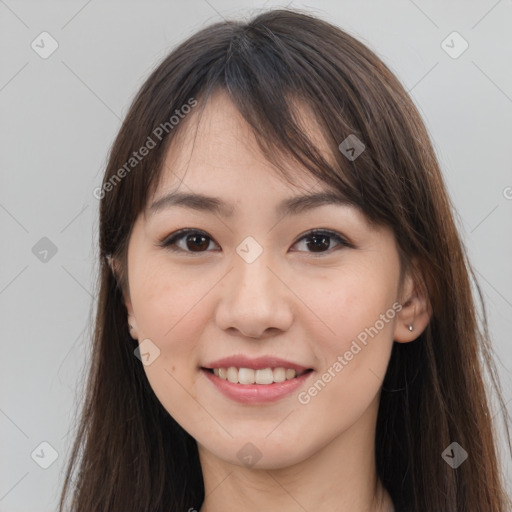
285	319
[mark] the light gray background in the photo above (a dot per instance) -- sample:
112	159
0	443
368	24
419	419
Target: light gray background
61	114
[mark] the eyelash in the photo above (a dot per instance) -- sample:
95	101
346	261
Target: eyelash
169	242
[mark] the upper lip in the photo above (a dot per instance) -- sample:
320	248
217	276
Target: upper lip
257	363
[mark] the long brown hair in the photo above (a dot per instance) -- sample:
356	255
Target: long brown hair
130	453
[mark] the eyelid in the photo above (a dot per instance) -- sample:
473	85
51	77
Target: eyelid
169	240
342	240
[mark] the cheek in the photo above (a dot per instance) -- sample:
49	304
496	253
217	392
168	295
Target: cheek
169	307
357	325
170	311
347	302
353	360
167	302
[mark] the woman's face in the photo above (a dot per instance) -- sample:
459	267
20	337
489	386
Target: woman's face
255	284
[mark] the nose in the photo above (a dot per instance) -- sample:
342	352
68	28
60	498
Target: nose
255	299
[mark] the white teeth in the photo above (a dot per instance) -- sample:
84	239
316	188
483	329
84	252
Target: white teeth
251	376
279	374
246	376
232	374
263	376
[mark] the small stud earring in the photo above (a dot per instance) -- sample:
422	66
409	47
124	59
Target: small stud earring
411	327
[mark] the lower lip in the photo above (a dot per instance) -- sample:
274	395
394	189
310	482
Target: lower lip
256	393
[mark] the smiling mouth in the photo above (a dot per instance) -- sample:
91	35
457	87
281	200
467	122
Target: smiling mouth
248	376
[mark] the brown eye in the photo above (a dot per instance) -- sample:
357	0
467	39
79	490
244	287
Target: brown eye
197	242
194	241
320	241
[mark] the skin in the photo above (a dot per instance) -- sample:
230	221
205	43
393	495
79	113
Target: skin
291	302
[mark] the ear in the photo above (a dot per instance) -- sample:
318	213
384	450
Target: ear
132	322
416	311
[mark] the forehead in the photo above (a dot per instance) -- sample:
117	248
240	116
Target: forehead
214	165
216	148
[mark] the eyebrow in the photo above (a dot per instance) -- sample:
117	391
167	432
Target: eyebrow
291	206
